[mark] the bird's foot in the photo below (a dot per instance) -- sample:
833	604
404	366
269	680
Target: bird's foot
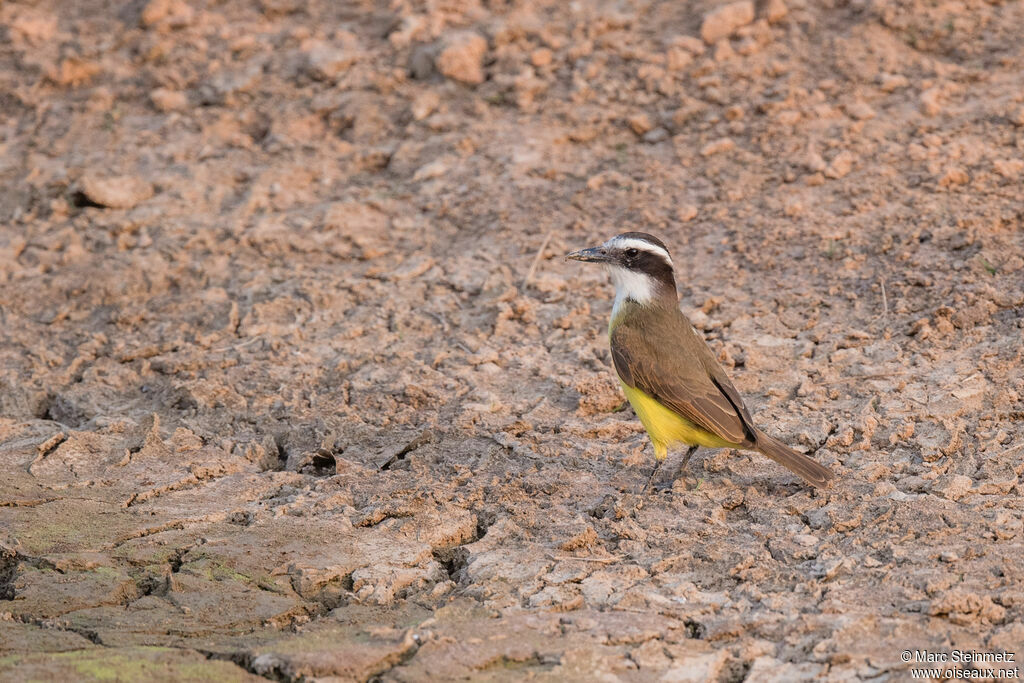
650	479
681	475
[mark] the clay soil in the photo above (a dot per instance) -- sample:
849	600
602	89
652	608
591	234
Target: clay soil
295	382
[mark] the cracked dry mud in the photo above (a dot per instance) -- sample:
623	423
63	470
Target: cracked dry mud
295	384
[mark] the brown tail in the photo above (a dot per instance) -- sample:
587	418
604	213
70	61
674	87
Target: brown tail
812	472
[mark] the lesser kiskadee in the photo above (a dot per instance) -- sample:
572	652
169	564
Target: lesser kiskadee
669	374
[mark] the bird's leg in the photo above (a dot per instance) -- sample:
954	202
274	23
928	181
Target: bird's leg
686	459
657	466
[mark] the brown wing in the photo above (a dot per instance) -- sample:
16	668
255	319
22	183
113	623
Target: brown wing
679	378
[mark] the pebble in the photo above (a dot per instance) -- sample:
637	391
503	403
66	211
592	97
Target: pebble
775	11
892	82
717	146
692	45
686	213
425	104
841	165
222	86
36	27
696	667
167	14
677	59
814	162
721	22
1017	116
1008	168
860	111
115	192
541	57
640	123
655	135
461	58
421	62
931	101
724	51
806	540
74	71
326	62
954	176
165	99
952	487
434	169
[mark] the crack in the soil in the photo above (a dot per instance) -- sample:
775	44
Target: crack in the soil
695	629
736	671
426	436
189	482
151	531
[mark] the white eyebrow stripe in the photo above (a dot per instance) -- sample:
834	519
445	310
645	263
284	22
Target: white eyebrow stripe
643	245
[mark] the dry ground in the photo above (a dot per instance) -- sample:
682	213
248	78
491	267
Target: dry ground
294	381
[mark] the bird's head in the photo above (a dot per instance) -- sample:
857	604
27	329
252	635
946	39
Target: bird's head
639	264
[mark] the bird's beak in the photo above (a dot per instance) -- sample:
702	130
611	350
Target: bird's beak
592	255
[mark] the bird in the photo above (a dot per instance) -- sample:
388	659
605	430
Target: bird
668	372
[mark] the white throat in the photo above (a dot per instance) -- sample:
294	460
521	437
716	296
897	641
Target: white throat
631	285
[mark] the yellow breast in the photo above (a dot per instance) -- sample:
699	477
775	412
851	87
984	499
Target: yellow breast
667	427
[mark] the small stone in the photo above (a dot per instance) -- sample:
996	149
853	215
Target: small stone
421	62
640	123
806	540
746	47
952	487
692	45
166	14
527	86
692	668
425	104
860	111
931	101
435	169
677	59
74	71
775	11
280	8
165	99
407	31
35	27
224	85
841	165
1017	116
717	146
788	117
724	51
1008	168
721	22
954	176
819	519
116	192
461	59
699	319
686	213
541	57
815	162
655	136
892	82
326	62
